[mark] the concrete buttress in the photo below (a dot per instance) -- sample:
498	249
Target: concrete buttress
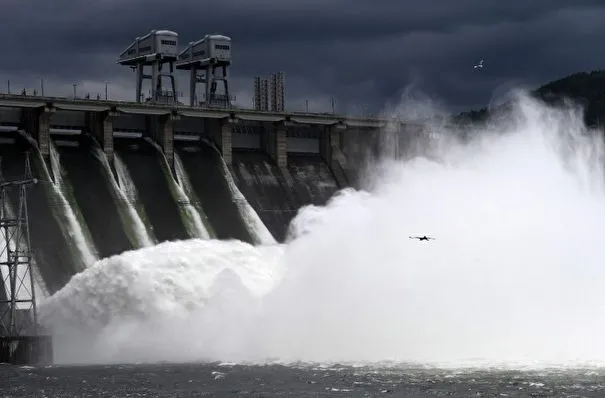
221	134
165	136
330	151
100	125
36	122
274	138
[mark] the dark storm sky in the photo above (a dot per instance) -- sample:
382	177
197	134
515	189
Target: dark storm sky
362	52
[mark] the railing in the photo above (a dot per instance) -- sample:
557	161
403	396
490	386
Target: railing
360	114
87	101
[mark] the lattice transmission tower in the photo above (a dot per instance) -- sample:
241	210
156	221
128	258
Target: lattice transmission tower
18	313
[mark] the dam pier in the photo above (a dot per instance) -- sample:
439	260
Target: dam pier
230	129
279	161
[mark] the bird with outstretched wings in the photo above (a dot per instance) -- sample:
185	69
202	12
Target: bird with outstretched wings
422	237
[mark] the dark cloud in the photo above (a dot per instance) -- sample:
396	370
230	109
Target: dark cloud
363	53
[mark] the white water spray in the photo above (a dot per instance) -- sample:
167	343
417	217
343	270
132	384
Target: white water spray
160	287
127	192
182	180
259	231
75	231
515	274
192	218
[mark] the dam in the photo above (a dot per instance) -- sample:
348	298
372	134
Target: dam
118	176
114	176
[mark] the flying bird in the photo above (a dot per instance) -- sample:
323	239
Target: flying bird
422	237
479	65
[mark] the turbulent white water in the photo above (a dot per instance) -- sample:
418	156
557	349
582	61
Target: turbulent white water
75	231
192	290
259	231
185	190
127	192
192	218
515	274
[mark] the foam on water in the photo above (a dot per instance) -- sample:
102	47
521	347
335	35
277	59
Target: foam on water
170	301
514	276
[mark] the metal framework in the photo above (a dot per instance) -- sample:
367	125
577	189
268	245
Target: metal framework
277	92
203	59
18	313
157	92
256	100
156	50
264	95
269	93
206	75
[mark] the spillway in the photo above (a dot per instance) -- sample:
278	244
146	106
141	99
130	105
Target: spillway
514	277
192	214
145	166
72	221
92	191
203	165
133	215
55	253
276	194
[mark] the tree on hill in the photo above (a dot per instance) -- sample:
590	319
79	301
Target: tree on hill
585	88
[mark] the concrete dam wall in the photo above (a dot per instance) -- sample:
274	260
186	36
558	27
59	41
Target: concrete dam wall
55	255
154	191
277	193
136	198
93	193
120	179
211	190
